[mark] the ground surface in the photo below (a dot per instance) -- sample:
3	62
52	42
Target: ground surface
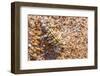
57	37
